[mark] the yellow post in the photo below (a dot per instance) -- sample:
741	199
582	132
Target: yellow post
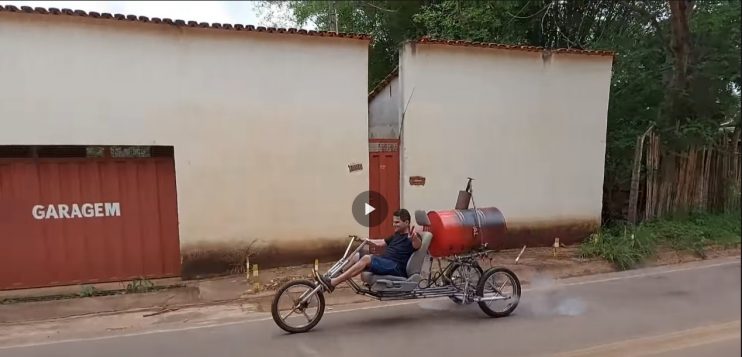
256	282
247	269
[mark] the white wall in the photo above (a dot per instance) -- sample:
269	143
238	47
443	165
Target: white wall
384	112
264	125
531	131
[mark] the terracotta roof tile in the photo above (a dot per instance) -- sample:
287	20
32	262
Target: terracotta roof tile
167	21
379	87
428	40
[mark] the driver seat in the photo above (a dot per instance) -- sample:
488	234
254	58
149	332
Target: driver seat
392	283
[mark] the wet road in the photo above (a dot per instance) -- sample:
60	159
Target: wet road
685	310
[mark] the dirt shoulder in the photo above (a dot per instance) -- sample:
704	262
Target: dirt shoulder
257	292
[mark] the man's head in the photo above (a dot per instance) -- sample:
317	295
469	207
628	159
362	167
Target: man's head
401	221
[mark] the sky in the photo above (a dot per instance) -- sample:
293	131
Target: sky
232	12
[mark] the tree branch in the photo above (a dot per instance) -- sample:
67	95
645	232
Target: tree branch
377	7
653	20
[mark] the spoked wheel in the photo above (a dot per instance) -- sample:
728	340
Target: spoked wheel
458	276
293	316
500	283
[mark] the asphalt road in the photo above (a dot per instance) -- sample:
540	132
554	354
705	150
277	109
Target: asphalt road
678	311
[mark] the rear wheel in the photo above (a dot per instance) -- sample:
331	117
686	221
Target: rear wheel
458	276
499	283
293	316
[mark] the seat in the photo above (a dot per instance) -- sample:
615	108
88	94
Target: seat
392	283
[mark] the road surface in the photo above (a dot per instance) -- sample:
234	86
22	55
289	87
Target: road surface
688	310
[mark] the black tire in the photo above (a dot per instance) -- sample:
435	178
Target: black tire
516	291
277	318
450	281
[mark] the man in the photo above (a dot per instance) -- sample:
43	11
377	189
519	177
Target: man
399	248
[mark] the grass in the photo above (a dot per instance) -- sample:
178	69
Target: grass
136	286
626	246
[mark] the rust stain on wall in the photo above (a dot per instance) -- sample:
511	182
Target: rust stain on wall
542	234
215	259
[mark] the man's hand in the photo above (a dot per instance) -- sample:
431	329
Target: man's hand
415	237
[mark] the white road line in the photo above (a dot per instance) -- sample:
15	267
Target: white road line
653	272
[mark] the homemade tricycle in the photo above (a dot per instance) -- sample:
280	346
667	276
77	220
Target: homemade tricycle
496	290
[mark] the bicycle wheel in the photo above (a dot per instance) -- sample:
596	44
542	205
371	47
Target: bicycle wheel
495	283
307	313
458	276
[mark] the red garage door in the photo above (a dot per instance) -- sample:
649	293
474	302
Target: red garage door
79	220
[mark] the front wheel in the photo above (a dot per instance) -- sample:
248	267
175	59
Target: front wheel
502	286
303	300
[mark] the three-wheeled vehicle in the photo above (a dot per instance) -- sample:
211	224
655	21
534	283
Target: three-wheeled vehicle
496	290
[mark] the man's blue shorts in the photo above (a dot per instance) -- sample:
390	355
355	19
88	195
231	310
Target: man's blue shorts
385	266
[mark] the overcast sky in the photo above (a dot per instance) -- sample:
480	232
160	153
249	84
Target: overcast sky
232	12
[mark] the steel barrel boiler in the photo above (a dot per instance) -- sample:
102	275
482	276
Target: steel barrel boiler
454	233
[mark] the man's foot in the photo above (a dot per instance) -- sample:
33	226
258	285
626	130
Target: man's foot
324	281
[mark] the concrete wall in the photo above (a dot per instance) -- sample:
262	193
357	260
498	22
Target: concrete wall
264	125
530	129
384	112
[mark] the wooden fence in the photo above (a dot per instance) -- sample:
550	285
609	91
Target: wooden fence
700	178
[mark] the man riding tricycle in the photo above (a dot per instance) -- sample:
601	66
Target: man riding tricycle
398	274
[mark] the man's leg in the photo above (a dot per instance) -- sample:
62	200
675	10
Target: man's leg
355	258
357	268
354	270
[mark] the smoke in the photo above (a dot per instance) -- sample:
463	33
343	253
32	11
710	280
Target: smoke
440	305
545	297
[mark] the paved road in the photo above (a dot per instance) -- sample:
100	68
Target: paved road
680	311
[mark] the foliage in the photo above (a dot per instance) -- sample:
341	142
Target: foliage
626	247
88	291
140	285
622	247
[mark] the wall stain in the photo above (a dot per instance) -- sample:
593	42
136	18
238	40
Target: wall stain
543	234
215	259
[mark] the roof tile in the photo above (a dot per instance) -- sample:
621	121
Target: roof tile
155	20
428	40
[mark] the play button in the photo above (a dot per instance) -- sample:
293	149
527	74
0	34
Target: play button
370	209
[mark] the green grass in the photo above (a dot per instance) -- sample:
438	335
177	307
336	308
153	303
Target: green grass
626	247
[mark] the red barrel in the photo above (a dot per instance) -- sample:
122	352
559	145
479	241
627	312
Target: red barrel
453	230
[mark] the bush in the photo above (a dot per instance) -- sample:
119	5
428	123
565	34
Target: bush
625	247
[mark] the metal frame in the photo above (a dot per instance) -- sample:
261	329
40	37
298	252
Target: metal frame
437	285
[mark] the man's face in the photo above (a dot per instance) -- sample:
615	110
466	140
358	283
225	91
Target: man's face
399	225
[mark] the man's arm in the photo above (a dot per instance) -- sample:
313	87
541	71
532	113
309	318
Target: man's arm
417	242
378	242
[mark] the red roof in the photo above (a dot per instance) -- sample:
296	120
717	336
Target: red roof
166	21
379	87
428	40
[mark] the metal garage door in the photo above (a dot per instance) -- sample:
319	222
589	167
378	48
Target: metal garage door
384	179
80	220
